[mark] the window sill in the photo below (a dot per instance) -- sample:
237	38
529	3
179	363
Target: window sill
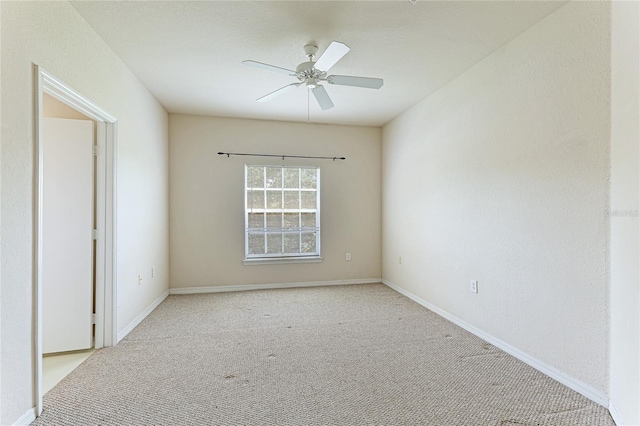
281	260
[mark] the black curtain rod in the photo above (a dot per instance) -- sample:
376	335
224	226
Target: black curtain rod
281	156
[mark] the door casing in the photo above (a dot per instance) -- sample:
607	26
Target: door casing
106	285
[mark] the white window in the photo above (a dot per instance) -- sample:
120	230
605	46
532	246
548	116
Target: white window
282	212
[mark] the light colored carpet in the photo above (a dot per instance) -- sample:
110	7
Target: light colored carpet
349	355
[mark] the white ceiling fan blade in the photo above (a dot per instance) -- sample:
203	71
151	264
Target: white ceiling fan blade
278	92
333	54
322	97
348	80
268	67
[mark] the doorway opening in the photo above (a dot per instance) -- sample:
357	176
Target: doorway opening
62	113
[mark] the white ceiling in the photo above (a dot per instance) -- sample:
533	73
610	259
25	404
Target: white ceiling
189	54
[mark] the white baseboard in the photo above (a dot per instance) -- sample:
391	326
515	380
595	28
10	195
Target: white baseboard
615	414
137	320
583	389
26	418
246	287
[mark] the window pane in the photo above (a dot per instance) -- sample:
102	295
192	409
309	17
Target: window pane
274	199
274	177
274	221
291	178
284	192
291	220
308	178
291	200
255	200
308	199
308	243
255	177
274	243
256	244
308	220
292	243
256	220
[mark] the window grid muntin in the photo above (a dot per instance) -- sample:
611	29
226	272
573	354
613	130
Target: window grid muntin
299	230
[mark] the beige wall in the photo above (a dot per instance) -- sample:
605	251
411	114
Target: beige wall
206	199
53	35
625	202
502	177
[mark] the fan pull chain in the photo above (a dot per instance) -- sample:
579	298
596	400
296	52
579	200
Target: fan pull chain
308	102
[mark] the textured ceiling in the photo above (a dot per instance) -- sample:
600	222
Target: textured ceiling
189	54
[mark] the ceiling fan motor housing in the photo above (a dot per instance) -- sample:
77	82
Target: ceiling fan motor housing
305	67
305	72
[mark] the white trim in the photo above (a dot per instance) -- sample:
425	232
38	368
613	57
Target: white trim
583	389
281	260
37	346
615	414
26	418
101	138
137	320
248	287
75	100
110	232
106	286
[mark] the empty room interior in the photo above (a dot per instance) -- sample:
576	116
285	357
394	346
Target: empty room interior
320	212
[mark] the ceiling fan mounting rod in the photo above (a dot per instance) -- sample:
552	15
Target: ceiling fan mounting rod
310	50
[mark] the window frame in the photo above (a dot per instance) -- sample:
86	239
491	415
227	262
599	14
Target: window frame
281	257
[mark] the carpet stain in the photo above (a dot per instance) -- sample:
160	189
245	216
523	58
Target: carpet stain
491	354
568	410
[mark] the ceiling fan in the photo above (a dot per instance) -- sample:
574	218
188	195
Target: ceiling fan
311	73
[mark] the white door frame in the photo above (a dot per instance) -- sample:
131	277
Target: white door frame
107	130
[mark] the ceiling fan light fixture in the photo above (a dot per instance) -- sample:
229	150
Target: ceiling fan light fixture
311	83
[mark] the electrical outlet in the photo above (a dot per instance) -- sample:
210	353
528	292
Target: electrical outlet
348	257
399	260
474	287
153	272
139	279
